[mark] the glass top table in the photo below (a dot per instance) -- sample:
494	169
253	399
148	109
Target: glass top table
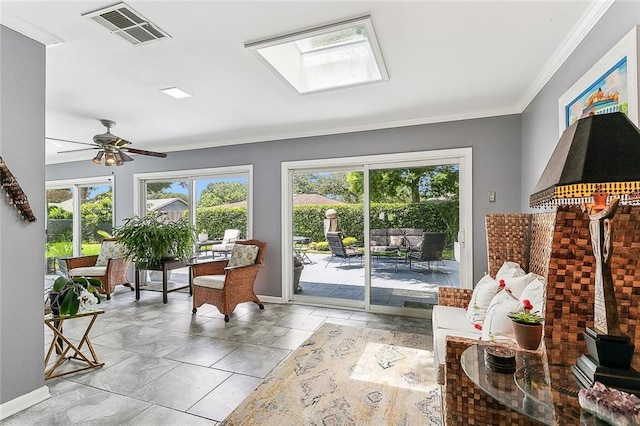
542	387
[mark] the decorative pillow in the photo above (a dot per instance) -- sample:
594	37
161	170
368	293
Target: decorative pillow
535	293
110	250
516	285
509	270
243	255
482	295
396	240
497	325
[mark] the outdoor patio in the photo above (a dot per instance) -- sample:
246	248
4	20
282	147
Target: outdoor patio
392	282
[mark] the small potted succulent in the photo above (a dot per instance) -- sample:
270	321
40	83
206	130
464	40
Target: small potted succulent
527	326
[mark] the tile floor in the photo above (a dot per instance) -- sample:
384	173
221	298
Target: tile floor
165	366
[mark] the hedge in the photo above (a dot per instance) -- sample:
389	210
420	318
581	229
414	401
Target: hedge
308	220
432	216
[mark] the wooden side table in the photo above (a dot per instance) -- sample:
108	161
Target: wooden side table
88	361
165	266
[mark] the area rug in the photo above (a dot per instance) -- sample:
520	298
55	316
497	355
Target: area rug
348	376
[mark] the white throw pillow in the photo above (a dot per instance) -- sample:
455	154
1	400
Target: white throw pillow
483	293
516	284
396	240
509	270
243	255
497	324
535	293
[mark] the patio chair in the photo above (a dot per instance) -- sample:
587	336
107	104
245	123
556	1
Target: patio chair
430	250
339	250
225	283
226	244
110	266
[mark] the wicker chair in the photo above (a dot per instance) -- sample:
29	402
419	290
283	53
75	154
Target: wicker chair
111	271
226	287
557	246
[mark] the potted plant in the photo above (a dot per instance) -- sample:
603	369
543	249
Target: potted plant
527	326
298	266
68	295
203	235
151	238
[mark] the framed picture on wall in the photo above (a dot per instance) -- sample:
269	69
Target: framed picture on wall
610	85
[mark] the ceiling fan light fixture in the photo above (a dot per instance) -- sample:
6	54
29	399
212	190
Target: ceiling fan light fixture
119	160
109	159
98	158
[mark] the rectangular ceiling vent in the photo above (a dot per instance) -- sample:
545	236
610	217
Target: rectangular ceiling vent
124	22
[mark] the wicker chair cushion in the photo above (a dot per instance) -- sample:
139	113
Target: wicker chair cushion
483	293
88	271
210	281
497	325
440	347
110	250
449	317
243	255
515	278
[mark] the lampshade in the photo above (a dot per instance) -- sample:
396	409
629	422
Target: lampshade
98	158
109	159
599	153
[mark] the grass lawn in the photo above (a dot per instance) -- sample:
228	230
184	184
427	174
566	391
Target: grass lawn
64	249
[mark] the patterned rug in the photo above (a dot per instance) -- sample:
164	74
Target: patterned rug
348	376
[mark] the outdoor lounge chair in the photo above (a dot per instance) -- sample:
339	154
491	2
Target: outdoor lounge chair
430	250
339	250
225	283
110	266
226	244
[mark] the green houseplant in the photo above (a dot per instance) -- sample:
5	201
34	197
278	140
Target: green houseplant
151	238
67	295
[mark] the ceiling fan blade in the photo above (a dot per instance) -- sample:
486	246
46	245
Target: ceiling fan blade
77	150
120	143
144	152
66	140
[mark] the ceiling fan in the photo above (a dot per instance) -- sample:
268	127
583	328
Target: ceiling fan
110	147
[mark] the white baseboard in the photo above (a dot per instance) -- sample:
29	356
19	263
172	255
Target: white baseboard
23	402
271	299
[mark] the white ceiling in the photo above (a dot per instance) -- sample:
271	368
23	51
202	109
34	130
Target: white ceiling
446	60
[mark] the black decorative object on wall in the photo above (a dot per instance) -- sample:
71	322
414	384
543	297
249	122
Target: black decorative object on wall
14	193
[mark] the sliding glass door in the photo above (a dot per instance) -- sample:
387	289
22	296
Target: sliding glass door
397	217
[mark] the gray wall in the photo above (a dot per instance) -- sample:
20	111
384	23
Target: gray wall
496	167
540	132
22	95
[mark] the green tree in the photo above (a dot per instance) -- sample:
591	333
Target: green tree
97	214
331	185
407	184
157	190
219	193
55	212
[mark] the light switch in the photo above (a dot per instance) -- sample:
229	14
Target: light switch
492	196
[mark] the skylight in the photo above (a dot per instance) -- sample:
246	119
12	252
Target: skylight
324	58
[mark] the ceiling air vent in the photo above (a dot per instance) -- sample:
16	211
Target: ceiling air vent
126	23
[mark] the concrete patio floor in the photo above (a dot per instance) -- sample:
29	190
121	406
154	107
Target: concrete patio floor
392	282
